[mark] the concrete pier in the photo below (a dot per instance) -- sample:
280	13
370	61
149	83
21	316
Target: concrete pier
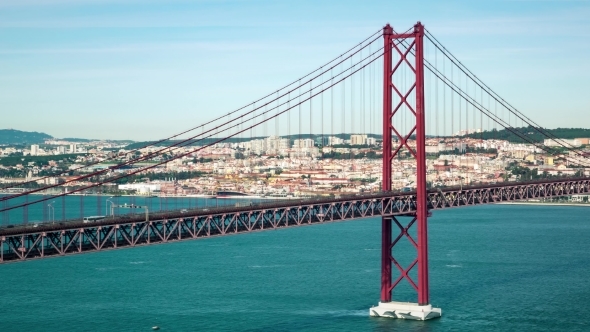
405	310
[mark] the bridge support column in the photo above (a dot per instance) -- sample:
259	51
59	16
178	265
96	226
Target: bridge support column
385	259
405	310
405	45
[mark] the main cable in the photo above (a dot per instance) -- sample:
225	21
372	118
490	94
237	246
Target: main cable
190	152
189	141
12	185
497	97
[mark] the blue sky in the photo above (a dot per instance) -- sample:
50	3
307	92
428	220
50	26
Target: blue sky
147	69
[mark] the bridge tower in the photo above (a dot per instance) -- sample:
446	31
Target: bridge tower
406	46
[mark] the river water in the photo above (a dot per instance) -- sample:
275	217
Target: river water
492	268
78	206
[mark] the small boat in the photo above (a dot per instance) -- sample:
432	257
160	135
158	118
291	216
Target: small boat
155	327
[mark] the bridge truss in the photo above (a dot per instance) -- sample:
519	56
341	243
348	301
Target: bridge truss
26	243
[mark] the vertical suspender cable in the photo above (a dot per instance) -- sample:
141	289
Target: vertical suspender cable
299	131
289	120
310	106
452	104
343	110
322	107
351	106
436	94
332	120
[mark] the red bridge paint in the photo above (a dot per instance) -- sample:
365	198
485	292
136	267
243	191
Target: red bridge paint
392	43
25	243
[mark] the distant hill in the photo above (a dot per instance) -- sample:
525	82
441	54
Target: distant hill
13	136
532	134
205	141
19	137
77	140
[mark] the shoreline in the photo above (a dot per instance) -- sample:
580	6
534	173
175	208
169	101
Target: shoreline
549	204
204	196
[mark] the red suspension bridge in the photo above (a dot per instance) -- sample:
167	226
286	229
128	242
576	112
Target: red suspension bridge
430	111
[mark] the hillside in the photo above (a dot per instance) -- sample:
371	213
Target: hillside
13	136
532	134
206	141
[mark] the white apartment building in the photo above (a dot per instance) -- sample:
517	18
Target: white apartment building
275	144
303	143
257	146
332	140
34	150
573	142
269	145
305	152
142	188
358	139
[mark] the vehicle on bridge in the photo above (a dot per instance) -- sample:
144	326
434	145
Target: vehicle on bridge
92	219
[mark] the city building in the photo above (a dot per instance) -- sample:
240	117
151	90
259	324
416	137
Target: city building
332	140
141	188
34	150
322	141
276	144
560	142
358	139
303	143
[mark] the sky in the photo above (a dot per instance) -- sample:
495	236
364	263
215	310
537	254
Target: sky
146	69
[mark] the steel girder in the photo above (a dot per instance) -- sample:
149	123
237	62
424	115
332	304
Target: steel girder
97	237
449	198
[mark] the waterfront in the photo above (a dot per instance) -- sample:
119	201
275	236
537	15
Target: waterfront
487	264
69	207
545	203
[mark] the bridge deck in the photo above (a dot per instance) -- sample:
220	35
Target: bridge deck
73	237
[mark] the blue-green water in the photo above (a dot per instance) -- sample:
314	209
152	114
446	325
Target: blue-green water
492	268
77	206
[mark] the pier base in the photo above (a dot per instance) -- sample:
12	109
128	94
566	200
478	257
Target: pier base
405	310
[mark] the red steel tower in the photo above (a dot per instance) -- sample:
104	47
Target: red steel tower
405	46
